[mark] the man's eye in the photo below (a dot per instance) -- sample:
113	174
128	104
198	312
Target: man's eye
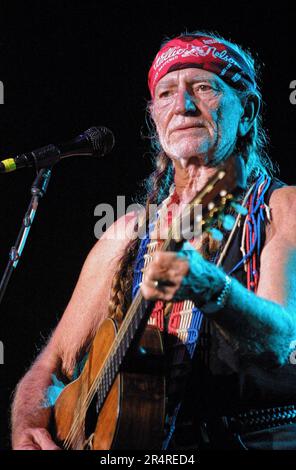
204	88
164	94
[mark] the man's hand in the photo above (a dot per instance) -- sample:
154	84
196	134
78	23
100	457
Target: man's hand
35	439
163	276
185	275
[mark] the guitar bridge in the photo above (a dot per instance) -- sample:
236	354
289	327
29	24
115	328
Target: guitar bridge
88	443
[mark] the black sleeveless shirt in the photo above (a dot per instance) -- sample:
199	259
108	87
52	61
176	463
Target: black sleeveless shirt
219	385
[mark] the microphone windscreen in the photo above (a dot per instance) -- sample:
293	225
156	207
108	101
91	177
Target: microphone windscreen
101	139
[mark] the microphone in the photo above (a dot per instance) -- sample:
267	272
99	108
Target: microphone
96	141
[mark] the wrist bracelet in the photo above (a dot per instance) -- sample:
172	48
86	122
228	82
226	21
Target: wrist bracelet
214	306
221	301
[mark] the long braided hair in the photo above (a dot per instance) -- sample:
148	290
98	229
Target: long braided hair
252	147
157	187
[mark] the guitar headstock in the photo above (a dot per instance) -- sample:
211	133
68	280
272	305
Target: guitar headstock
211	206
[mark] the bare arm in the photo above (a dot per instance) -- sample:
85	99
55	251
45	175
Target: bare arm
266	322
87	308
29	418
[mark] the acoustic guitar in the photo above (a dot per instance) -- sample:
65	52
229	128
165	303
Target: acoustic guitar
118	401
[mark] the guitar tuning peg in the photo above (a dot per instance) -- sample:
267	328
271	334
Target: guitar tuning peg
228	222
216	234
239	208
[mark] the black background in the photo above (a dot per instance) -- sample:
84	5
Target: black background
67	66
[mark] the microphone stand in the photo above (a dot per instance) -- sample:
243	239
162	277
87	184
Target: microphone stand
38	190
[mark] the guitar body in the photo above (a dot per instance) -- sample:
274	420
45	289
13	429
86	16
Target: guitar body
133	413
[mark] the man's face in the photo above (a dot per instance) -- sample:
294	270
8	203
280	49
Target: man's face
196	116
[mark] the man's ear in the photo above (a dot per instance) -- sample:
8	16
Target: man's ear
151	110
250	112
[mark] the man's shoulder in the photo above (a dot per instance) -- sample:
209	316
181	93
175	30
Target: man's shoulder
123	229
282	205
115	239
283	198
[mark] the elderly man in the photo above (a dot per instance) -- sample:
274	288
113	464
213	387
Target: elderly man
236	318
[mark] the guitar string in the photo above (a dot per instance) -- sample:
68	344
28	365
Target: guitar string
101	377
97	381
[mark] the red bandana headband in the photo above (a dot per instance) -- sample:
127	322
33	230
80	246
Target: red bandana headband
205	53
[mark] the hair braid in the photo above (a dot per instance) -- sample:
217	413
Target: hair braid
157	187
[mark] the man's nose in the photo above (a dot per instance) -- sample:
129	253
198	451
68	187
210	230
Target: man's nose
185	103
